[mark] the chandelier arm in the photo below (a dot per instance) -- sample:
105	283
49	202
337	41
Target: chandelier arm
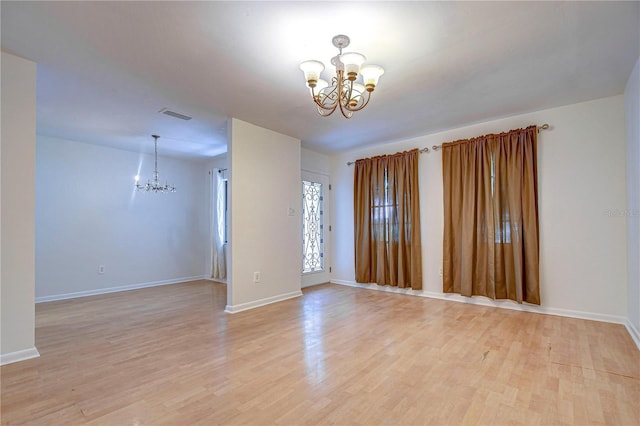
345	112
361	106
326	112
321	98
345	96
341	96
321	104
344	109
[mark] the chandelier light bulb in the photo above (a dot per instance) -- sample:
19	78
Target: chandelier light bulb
312	70
370	76
320	84
352	62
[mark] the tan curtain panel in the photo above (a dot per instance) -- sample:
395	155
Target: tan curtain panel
388	249
491	231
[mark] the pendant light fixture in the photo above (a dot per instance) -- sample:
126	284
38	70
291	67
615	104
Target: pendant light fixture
154	185
344	92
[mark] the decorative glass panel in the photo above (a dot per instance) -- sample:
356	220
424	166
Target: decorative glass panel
312	243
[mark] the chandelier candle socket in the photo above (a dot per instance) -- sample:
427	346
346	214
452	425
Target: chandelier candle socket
343	92
154	185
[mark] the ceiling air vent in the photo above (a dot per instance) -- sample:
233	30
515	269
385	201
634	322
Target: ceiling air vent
167	111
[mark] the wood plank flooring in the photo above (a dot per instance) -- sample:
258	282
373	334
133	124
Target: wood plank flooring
338	355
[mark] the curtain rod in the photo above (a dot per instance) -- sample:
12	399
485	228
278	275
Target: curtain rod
423	150
545	126
218	170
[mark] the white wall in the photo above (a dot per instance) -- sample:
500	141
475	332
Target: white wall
88	214
581	180
632	111
315	162
17	209
265	184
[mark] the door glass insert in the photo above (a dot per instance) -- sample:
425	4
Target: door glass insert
312	241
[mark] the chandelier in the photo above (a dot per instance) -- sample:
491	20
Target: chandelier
344	92
154	185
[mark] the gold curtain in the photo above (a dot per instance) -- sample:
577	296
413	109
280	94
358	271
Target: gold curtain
491	231
388	249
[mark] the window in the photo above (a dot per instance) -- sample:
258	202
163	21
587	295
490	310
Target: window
312	242
386	203
384	214
491	245
502	231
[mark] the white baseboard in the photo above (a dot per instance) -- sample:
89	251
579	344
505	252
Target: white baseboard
314	284
506	304
19	356
116	289
634	332
233	309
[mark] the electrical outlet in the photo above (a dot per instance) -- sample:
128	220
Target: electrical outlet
101	269
441	271
256	277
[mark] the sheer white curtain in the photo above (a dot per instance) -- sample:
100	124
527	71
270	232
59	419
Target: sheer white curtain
219	258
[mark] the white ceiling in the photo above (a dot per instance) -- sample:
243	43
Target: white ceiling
105	69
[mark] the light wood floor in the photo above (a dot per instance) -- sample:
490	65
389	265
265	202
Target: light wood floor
337	355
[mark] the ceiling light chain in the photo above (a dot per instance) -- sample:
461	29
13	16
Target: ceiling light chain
154	186
344	92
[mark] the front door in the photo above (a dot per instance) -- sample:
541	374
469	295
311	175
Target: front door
315	229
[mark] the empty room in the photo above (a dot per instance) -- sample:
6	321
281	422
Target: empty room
290	213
